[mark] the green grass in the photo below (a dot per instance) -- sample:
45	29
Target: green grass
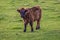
11	24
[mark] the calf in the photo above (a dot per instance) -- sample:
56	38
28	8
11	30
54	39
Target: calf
30	15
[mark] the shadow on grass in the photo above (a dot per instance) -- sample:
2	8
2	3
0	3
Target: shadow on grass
58	16
18	21
36	0
17	28
43	2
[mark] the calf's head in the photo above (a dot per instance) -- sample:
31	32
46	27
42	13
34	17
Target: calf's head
22	12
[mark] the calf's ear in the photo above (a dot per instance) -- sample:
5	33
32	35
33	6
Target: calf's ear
18	10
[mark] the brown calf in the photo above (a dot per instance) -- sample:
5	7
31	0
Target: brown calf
30	15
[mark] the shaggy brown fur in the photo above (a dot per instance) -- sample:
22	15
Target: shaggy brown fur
30	15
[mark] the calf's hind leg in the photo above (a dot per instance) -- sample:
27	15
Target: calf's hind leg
38	24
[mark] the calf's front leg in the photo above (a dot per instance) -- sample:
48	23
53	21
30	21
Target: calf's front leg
25	25
31	24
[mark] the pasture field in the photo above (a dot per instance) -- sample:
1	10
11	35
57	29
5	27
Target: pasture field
11	24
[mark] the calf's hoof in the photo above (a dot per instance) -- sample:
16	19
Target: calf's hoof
24	30
32	31
37	28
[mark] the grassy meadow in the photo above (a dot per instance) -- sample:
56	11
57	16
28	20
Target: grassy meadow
11	24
